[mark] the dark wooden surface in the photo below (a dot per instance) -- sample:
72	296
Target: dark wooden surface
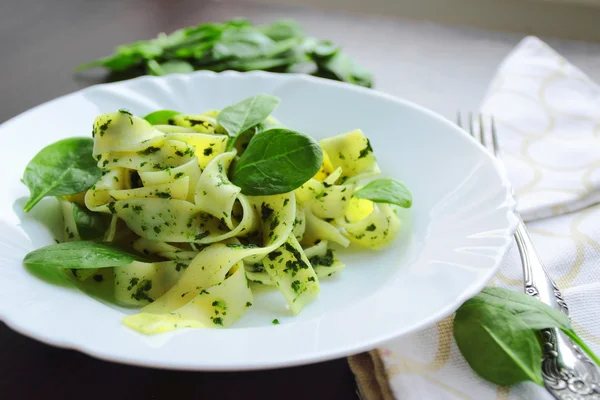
41	42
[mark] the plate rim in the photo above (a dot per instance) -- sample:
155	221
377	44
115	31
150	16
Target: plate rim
313	356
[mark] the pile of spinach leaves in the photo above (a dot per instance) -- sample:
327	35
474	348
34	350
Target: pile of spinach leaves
235	45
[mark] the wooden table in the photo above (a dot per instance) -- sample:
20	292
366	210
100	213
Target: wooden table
443	68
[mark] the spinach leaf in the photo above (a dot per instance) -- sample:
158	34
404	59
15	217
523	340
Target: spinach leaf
242	116
243	42
64	167
493	332
533	312
498	345
277	161
161	117
169	67
282	30
386	191
127	56
90	225
241	141
341	67
81	255
323	49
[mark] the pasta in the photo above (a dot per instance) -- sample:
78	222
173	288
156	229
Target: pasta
166	192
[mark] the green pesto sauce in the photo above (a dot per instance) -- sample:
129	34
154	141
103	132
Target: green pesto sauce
164	195
148	151
326	260
368	149
265	211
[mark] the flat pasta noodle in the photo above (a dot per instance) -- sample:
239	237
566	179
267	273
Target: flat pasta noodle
147	246
290	270
213	270
326	200
212	263
165	220
177	189
111	233
217	306
215	194
167	191
299	223
138	283
173	129
261	278
352	152
123	132
323	260
181	256
206	146
318	230
376	230
190	169
198	123
98	198
171	154
71	234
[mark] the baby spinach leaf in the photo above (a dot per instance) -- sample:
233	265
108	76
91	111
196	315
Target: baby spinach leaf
64	167
498	345
161	117
277	161
533	312
90	225
242	42
493	332
341	67
240	142
386	191
242	116
282	29
579	342
81	255
116	62
127	56
324	49
169	67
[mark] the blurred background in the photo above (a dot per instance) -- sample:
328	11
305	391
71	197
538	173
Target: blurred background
575	19
439	53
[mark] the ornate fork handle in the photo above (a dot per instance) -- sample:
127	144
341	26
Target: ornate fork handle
568	373
537	281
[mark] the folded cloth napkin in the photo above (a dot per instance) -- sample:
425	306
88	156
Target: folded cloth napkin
547	114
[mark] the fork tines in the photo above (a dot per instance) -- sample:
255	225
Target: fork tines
482	129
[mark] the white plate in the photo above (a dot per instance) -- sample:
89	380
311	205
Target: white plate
454	236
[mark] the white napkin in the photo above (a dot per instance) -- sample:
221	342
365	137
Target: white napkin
548	119
548	115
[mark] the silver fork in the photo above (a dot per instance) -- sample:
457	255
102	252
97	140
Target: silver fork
568	373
